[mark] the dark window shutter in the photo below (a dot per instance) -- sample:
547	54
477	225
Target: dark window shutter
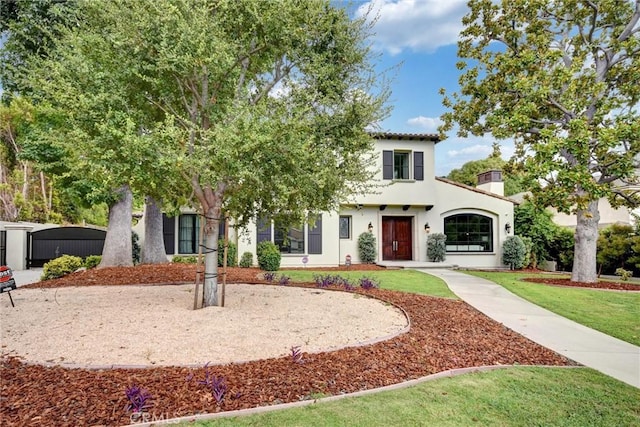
264	230
221	230
418	165
315	237
387	164
169	234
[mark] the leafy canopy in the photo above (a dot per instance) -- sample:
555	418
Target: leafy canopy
561	78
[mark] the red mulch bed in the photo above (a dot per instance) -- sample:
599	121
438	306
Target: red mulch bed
601	284
445	334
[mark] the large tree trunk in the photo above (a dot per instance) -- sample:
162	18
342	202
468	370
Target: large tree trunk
153	251
586	237
117	251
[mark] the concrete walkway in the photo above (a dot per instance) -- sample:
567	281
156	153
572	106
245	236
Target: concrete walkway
589	347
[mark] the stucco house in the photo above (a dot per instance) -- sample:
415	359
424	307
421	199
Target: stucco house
409	203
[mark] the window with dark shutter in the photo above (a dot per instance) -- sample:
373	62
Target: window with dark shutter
264	230
169	234
387	164
315	237
418	165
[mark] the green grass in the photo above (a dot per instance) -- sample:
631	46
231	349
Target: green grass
614	313
509	397
397	280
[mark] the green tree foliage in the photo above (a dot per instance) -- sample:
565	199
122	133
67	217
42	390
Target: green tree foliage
29	29
259	106
615	248
535	223
560	77
468	173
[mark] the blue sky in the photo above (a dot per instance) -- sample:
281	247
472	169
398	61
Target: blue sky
421	35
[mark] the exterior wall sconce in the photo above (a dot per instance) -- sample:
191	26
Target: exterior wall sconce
370	228
427	229
507	228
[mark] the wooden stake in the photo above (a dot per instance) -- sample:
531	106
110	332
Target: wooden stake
198	267
224	259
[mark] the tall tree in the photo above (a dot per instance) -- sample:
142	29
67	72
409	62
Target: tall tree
468	173
267	102
561	78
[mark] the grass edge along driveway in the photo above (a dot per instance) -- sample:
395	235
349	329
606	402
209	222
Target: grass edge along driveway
615	313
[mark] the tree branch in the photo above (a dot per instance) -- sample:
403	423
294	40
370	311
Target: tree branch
629	29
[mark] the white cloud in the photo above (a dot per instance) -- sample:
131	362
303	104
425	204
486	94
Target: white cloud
418	25
428	124
473	151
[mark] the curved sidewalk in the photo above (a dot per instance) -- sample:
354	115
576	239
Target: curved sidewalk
587	346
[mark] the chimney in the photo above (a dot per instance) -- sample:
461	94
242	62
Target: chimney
491	181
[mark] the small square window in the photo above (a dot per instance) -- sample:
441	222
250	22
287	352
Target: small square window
345	227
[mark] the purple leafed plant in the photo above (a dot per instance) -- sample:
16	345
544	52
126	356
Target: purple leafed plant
326	281
284	280
296	354
138	399
347	285
215	384
270	276
368	283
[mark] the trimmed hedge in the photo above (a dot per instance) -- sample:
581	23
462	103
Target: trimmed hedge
66	264
268	256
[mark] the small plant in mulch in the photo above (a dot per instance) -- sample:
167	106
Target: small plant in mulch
296	355
324	281
284	280
347	285
367	283
270	276
216	385
139	399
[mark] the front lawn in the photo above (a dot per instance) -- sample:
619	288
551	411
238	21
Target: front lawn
508	397
615	313
396	280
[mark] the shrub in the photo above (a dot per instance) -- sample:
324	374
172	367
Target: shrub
61	266
247	260
185	259
135	248
268	256
368	283
513	252
367	247
436	247
529	256
624	274
92	261
615	248
562	248
232	254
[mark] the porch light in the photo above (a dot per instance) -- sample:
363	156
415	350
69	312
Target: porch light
427	229
507	228
370	228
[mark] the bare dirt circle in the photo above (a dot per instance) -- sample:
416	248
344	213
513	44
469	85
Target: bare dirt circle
156	325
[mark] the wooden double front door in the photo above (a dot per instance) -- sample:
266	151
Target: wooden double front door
397	241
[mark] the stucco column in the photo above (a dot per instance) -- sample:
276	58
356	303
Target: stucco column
17	245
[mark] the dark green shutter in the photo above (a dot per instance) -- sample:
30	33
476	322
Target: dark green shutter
315	237
387	164
418	165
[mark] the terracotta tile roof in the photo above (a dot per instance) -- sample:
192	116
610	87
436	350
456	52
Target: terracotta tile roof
477	190
406	136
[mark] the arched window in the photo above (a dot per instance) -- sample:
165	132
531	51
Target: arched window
469	233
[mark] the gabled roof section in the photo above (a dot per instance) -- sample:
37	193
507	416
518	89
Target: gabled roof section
406	136
477	190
